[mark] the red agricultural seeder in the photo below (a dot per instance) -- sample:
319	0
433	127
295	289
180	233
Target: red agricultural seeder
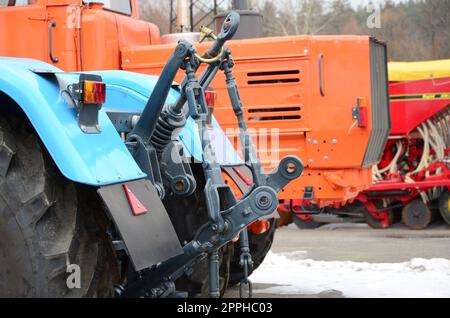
414	174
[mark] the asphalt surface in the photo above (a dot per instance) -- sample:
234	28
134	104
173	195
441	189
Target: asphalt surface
358	243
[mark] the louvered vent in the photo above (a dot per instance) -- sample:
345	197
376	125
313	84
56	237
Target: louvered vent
275	113
275	77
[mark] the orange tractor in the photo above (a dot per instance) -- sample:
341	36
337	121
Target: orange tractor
321	98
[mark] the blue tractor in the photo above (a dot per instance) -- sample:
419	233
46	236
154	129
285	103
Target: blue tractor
110	184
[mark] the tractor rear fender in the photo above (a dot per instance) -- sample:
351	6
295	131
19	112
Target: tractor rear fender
101	160
128	92
92	159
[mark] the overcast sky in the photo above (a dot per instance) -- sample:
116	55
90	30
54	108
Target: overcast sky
357	3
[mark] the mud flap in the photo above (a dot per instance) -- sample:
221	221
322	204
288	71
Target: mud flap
149	237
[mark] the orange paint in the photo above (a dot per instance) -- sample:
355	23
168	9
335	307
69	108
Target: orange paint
278	80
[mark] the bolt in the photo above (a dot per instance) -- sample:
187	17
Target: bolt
334	141
326	158
316	142
263	201
179	185
306	51
309	140
214	227
310	161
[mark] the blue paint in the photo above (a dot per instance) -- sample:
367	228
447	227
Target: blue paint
129	92
98	159
93	159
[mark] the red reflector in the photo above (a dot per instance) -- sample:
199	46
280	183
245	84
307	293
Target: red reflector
137	208
362	117
210	97
94	92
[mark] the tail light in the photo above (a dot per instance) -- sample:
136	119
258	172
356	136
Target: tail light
94	92
210	97
90	95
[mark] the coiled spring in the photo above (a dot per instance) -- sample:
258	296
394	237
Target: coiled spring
168	123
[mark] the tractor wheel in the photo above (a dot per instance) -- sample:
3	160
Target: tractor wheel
187	216
197	284
416	215
44	227
305	224
260	245
444	206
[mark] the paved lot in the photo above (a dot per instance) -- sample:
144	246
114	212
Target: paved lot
358	243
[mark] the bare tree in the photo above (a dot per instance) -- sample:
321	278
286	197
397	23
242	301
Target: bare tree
413	29
156	12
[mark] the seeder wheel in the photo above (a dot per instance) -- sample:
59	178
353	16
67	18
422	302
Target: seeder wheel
444	206
377	216
416	215
379	221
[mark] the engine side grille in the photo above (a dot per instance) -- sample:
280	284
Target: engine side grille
381	119
275	113
273	77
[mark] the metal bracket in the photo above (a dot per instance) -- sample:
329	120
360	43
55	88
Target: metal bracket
260	202
176	172
195	95
308	196
87	114
147	159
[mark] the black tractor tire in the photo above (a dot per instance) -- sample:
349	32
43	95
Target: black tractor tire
197	283
187	216
305	225
416	215
444	206
260	245
46	225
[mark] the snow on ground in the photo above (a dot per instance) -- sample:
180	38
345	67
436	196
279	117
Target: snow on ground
293	274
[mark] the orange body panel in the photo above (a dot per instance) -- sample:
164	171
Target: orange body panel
85	37
278	80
